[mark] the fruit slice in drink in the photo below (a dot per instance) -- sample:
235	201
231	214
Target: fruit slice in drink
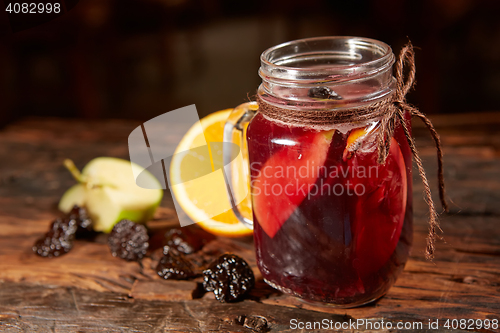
286	178
380	206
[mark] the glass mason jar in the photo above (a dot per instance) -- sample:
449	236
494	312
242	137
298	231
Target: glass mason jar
331	224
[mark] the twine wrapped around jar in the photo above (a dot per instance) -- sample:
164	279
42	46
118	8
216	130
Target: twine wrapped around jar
390	111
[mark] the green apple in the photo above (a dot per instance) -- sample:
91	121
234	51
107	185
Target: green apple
108	190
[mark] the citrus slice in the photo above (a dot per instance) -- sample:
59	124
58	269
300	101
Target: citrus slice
307	154
356	139
201	197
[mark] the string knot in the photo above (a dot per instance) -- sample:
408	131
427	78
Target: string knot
399	104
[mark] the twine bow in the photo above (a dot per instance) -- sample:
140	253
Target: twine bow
395	113
391	112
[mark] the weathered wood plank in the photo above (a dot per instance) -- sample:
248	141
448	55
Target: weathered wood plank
28	308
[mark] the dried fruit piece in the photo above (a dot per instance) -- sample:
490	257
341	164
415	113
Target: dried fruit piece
83	222
187	240
128	240
58	240
229	277
323	93
174	266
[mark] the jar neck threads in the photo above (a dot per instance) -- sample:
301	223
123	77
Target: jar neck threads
357	70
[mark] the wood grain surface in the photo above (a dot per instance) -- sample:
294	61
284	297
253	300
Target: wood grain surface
88	290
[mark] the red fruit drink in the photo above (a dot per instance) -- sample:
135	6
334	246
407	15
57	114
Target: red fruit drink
330	223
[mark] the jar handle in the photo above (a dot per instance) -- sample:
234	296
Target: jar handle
234	132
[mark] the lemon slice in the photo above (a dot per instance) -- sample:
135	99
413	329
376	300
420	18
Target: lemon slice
201	197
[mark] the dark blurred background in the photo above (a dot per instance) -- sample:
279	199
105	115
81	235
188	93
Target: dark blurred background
138	59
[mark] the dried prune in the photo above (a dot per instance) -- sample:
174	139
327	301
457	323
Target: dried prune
58	240
83	222
229	277
128	240
323	93
187	240
174	266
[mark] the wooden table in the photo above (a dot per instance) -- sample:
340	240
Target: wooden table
88	290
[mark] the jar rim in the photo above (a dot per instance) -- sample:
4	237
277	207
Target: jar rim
272	70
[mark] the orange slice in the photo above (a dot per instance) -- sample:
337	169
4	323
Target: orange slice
205	199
